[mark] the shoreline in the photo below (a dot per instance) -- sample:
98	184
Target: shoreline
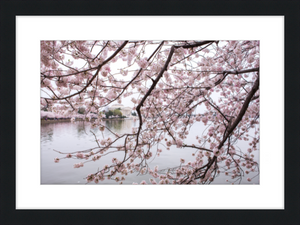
43	121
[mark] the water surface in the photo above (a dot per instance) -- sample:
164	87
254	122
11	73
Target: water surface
71	137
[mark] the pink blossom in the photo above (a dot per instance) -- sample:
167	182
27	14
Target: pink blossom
134	100
169	143
79	155
90	178
217	152
152	181
179	143
106	68
142	63
114	160
204	119
78	165
101	128
102	142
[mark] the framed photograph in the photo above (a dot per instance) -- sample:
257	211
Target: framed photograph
198	98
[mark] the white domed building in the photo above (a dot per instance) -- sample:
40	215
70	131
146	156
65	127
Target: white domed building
126	111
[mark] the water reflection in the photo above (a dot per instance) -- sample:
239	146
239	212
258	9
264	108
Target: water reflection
46	132
119	126
81	128
70	137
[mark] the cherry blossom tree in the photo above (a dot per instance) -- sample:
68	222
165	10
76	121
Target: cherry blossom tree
168	82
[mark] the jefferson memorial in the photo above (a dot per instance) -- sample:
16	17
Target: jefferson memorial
126	111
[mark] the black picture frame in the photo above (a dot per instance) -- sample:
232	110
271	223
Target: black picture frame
9	11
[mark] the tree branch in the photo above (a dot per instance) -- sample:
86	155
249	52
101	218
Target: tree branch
138	108
98	69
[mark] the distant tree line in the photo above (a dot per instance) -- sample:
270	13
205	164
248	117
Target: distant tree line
116	112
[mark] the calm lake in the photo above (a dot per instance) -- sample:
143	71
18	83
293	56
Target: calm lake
69	137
